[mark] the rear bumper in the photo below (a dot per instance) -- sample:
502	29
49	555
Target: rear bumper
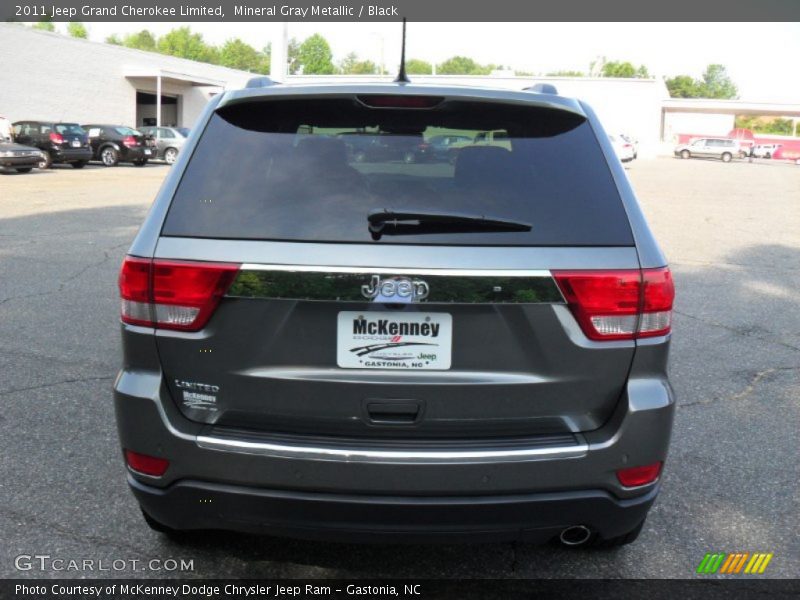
71	154
532	517
138	153
211	484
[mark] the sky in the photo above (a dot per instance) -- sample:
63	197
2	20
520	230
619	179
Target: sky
763	59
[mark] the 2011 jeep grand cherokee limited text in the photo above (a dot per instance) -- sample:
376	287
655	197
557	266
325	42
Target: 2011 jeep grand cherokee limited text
382	349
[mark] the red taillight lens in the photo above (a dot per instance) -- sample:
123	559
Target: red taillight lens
130	141
56	138
619	305
636	476
172	294
149	465
385	101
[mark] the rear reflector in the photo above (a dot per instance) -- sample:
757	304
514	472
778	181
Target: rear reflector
384	101
636	476
149	465
169	294
620	304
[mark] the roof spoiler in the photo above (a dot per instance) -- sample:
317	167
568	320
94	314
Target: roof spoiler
542	88
260	82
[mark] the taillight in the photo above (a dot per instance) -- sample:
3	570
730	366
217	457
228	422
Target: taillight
169	294
619	305
149	465
636	476
56	138
129	141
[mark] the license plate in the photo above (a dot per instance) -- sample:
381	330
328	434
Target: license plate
394	340
147	152
76	143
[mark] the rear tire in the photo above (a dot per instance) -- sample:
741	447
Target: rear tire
170	156
768	155
109	156
79	165
24	170
46	162
727	157
686	154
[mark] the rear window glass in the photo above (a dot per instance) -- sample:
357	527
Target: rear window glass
69	128
313	170
127	131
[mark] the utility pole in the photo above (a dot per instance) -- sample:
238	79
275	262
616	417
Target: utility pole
279	61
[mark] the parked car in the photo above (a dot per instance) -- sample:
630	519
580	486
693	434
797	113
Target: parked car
113	144
439	148
622	148
377	147
18	157
169	141
633	142
765	150
721	148
321	347
493	138
59	142
784	153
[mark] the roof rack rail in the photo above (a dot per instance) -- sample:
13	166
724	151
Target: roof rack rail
542	88
259	82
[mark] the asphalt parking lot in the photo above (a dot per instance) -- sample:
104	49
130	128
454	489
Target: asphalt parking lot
732	482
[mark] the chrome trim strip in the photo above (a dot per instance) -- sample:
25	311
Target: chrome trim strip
388	456
399	271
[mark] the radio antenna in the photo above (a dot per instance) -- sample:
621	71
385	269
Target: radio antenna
401	76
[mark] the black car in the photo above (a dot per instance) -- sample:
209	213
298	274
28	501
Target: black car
379	147
440	148
18	157
112	144
59	142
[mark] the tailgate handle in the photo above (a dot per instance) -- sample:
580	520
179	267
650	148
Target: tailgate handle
402	412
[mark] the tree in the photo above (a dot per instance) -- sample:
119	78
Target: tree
415	66
566	73
114	39
351	65
462	65
715	83
625	69
77	30
44	26
236	54
315	56
183	43
141	40
682	86
292	56
718	84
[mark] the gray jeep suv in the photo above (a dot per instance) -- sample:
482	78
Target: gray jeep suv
381	350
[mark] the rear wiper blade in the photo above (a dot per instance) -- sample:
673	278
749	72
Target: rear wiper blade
398	222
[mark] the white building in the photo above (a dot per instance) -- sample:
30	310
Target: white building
50	76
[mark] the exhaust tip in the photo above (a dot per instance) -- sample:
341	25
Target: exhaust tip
575	535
